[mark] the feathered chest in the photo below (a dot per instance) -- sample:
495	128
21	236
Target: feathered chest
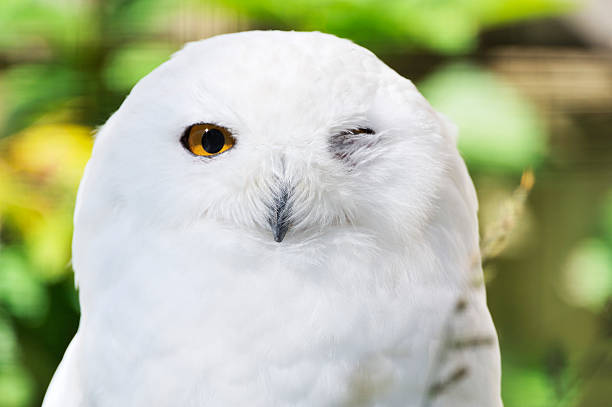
257	324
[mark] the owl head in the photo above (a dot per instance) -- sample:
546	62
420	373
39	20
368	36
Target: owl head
284	136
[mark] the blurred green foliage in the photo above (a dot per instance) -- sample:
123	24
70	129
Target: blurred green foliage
478	103
65	65
41	167
448	26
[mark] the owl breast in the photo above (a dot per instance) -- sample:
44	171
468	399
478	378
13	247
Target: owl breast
260	324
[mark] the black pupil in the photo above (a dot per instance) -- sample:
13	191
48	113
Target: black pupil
213	141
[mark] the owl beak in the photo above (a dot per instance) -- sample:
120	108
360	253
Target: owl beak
280	212
279	231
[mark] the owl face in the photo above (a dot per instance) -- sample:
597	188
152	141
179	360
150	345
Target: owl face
280	134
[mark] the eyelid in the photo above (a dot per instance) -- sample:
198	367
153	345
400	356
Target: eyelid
344	144
350	136
355	131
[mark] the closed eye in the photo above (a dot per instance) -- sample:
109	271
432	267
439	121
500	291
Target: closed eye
344	144
361	130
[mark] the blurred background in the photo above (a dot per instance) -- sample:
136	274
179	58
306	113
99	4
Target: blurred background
529	82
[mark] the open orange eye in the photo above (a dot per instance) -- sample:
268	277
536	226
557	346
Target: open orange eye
207	139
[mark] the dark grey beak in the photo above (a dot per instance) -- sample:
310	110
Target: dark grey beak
279	231
280	212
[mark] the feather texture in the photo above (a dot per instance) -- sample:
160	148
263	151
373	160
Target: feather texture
186	297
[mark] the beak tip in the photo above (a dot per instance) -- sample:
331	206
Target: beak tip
279	233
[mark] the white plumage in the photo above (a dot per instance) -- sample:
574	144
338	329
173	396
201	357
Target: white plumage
188	300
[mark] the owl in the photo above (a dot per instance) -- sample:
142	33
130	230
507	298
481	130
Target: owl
277	219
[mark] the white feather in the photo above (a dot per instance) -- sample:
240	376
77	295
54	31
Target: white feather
187	300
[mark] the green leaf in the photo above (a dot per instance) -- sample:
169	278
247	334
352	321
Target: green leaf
450	26
130	63
8	341
22	293
37	89
498	128
526	387
587	275
48	246
16	387
39	23
607	217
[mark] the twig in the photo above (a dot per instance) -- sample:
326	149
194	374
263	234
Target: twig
497	235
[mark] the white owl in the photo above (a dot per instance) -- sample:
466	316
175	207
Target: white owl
277	219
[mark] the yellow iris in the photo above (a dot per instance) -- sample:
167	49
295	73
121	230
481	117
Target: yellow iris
209	139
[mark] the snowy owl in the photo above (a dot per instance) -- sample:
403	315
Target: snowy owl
277	219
